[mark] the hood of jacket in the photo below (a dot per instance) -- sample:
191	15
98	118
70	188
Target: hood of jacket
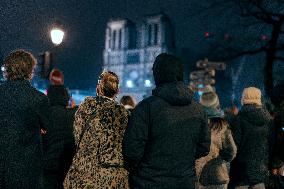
175	93
255	115
58	95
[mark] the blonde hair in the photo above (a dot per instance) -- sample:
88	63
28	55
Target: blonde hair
19	65
108	82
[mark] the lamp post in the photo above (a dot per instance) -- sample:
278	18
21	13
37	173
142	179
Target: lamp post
56	36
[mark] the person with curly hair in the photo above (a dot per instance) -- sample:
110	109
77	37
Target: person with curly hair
23	113
99	127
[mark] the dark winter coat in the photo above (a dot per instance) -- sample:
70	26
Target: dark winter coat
59	140
166	133
24	111
278	138
251	135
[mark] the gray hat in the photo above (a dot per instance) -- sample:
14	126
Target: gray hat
210	99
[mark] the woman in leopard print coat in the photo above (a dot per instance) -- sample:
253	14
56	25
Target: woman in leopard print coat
98	162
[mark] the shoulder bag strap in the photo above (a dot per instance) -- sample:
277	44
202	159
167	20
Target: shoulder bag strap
87	126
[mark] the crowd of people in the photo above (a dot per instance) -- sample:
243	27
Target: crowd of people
167	141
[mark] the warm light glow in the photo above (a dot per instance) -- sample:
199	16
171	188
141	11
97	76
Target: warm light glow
56	36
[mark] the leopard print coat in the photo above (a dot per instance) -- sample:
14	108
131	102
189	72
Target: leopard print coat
98	162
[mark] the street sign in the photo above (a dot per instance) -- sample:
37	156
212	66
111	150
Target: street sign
202	74
211	65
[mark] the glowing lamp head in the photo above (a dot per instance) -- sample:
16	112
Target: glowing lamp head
57	36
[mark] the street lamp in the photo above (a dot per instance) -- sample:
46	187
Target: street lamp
57	36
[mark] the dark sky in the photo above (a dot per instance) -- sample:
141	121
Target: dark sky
26	23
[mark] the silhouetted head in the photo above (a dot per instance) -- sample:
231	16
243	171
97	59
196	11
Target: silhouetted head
167	68
56	77
19	65
108	84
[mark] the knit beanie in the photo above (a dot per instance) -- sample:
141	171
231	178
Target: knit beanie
210	99
56	77
251	95
167	68
207	89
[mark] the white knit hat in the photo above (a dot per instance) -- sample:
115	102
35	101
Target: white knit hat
251	95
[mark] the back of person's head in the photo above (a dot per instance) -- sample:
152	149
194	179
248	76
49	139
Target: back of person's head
127	100
108	84
278	94
210	99
217	123
56	77
19	65
167	68
251	95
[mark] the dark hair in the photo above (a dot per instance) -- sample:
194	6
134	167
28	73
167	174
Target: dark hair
167	68
217	123
19	65
108	82
127	100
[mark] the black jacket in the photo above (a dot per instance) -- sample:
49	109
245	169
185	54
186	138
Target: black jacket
167	132
277	157
251	132
24	111
59	140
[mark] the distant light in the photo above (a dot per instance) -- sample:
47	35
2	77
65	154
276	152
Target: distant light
57	36
207	34
129	84
226	36
147	83
200	86
2	68
264	37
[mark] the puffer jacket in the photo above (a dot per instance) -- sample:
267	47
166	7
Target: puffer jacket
251	134
166	133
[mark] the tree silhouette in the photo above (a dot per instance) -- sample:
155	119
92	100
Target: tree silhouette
259	29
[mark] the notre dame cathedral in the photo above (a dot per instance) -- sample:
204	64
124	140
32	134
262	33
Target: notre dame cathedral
131	48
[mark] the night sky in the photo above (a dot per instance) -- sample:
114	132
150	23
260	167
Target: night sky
26	23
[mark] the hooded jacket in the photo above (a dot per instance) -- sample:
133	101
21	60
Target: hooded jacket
24	111
166	133
251	135
59	140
